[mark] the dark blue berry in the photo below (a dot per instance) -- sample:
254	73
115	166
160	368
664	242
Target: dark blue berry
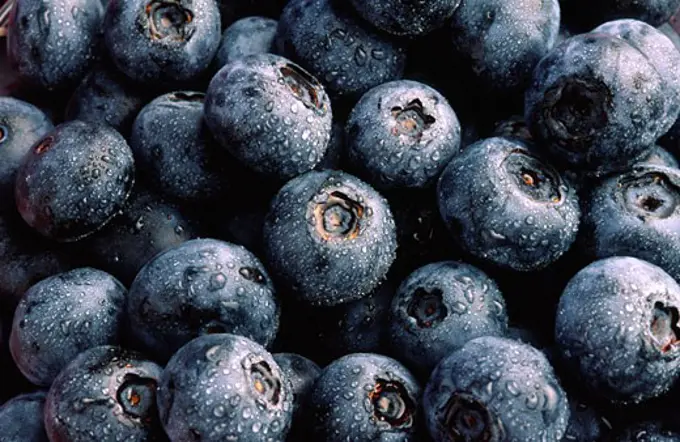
158	42
224	387
106	393
439	308
401	134
270	114
329	237
405	17
74	180
344	53
504	204
199	287
363	396
648	432
495	389
301	372
616	327
21	418
62	316
53	43
247	36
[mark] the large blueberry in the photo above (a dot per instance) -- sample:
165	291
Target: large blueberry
52	43
597	102
617	327
504	204
162	42
329	237
105	393
495	389
270	114
336	46
401	134
62	316
364	396
74	180
201	286
439	308
224	387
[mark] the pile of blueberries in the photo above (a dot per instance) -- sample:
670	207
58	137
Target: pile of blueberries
328	220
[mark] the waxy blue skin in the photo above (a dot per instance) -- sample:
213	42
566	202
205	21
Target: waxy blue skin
622	365
21	418
198	287
301	372
404	17
53	43
222	386
124	384
62	316
247	36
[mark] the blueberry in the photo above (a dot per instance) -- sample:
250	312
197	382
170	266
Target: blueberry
501	42
157	42
62	316
106	392
404	17
329	237
52	43
175	151
301	372
21	125
661	53
363	396
107	96
597	102
636	213
648	432
224	387
585	423
440	307
270	114
329	40
148	226
25	259
402	134
521	214
659	156
654	12
201	286
495	389
247	36
21	418
74	180
617	328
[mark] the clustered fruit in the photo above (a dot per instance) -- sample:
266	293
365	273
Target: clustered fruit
327	220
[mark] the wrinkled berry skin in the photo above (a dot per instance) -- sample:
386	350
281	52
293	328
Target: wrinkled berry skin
74	180
405	17
201	286
21	125
103	393
364	396
219	383
148	226
502	41
636	214
157	42
63	315
506	388
247	36
661	53
270	114
623	364
330	41
52	43
502	203
21	418
439	308
329	238
301	372
597	102
402	134
175	150
107	96
654	12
